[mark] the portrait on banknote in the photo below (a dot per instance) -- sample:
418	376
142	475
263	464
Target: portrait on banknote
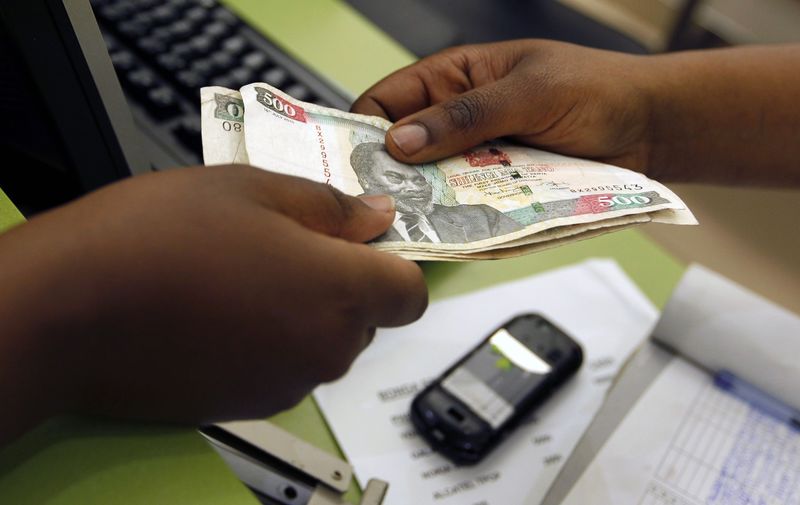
419	218
495	200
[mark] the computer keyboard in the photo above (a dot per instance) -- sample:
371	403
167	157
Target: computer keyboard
164	51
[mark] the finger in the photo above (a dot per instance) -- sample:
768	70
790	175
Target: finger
369	287
413	88
455	125
391	290
325	209
400	94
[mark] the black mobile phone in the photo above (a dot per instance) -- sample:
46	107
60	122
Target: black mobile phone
473	405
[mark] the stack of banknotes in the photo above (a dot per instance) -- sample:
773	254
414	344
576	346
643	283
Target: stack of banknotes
494	201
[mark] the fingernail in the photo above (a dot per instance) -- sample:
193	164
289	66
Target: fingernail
382	203
410	138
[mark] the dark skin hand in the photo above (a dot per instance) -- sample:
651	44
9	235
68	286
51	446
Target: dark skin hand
726	116
193	295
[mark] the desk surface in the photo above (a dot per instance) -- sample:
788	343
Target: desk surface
72	461
9	215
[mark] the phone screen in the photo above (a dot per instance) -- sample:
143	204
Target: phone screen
496	377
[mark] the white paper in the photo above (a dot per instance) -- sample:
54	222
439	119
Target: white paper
687	442
368	408
721	325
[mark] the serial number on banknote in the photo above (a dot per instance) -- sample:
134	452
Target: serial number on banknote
610	187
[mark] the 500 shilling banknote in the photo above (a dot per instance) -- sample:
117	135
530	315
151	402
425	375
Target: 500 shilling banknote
494	201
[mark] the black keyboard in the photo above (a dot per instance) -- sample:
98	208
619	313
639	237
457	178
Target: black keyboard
164	51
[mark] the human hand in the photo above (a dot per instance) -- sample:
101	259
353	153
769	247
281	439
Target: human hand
197	295
557	96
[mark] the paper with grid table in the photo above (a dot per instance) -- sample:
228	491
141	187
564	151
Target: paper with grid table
688	441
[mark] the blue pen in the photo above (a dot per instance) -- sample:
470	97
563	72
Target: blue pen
757	398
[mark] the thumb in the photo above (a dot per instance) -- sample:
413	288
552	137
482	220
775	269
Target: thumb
455	125
325	209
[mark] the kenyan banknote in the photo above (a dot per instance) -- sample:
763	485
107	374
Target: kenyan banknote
222	117
496	200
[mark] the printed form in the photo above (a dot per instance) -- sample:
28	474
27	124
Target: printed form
367	410
688	441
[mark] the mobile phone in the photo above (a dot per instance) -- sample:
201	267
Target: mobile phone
475	403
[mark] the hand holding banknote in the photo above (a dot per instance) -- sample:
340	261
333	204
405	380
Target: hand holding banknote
495	200
725	116
193	295
559	97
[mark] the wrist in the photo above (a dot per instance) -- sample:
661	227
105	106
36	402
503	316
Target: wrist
40	317
678	135
654	145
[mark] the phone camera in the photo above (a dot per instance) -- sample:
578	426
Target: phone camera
455	414
290	492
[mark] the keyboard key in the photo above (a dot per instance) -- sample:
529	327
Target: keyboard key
235	45
202	44
152	46
224	15
163	33
181	30
190	81
216	30
188	132
140	82
142	78
138	5
275	77
111	43
195	14
165	14
299	92
115	13
123	61
204	67
133	29
171	62
223	61
225	81
145	18
242	76
255	61
183	50
162	103
179	4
